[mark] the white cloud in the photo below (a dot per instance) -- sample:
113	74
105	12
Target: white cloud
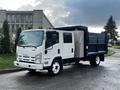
96	29
63	12
15	4
55	10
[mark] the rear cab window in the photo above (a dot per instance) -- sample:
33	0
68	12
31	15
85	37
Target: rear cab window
67	37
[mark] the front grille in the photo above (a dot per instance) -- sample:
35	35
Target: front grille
26	59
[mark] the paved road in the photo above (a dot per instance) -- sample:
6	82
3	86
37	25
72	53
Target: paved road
81	77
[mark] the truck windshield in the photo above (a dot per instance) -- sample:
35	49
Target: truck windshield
31	39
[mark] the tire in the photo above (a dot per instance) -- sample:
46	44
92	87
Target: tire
55	68
32	70
77	62
95	61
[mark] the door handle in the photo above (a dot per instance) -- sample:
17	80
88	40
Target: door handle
46	51
72	50
58	51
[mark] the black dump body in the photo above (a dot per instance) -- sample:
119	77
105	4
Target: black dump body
95	43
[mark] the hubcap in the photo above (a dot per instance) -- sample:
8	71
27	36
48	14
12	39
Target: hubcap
56	68
97	60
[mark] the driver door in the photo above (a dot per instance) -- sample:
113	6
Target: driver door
52	46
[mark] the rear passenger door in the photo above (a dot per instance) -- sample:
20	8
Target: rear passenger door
68	45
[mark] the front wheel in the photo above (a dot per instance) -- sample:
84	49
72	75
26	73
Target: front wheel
55	68
95	61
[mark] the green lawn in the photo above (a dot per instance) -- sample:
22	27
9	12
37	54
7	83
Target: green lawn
6	61
109	53
117	47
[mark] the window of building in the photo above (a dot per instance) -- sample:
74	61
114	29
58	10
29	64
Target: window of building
13	18
8	18
67	37
22	18
31	18
26	19
12	28
26	26
17	18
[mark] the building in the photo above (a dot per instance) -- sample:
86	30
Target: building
24	19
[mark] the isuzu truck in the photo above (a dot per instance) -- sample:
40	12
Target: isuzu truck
51	49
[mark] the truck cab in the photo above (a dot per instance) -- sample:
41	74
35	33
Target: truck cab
40	49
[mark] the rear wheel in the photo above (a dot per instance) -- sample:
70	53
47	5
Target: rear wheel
77	62
95	61
55	68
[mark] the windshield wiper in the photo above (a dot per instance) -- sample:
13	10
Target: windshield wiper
28	46
32	46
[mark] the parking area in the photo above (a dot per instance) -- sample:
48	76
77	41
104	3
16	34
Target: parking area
80	77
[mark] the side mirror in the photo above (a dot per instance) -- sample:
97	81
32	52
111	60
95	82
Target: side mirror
51	47
46	50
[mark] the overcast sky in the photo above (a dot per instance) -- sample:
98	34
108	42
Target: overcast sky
92	13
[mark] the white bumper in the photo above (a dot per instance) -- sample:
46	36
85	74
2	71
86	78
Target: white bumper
28	65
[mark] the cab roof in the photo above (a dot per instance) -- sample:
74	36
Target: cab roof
72	28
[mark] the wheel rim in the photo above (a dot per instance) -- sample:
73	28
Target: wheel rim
56	68
97	60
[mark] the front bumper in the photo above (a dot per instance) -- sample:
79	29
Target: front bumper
28	65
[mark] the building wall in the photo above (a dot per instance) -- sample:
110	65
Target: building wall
37	18
19	20
24	19
2	17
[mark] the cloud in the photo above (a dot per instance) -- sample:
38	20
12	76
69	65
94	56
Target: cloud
92	12
55	10
71	12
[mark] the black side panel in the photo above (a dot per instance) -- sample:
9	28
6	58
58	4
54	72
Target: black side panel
72	28
97	42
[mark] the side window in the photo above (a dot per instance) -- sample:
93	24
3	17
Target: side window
52	37
67	37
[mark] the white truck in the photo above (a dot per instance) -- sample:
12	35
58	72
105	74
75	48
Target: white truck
42	49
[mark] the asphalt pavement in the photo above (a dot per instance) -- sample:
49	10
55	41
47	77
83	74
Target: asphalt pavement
80	77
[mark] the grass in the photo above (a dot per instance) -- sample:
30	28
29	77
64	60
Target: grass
116	47
109	53
6	61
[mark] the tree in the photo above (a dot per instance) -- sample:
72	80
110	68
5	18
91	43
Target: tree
17	36
1	37
5	42
110	29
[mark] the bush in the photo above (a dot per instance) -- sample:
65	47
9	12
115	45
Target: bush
5	42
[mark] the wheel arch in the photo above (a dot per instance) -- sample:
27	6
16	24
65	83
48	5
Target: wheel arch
59	58
102	57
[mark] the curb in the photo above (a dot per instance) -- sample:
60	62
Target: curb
11	70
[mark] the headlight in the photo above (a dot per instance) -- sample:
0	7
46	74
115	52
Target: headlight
17	57
38	58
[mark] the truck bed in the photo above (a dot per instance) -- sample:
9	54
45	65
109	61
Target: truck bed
97	42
